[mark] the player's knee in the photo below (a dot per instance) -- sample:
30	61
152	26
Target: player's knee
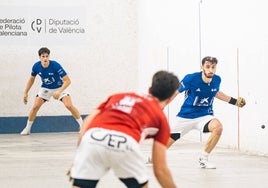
132	183
214	126
36	108
69	106
218	129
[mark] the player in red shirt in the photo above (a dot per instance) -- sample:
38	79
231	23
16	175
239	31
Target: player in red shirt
110	137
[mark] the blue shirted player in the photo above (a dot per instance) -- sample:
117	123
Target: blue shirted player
51	76
198	94
196	112
54	82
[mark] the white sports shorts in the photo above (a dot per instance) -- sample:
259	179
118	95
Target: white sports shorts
101	150
184	125
46	93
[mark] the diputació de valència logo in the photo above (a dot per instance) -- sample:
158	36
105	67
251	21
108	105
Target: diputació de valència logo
57	26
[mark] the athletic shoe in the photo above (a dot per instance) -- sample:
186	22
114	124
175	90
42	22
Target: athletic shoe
149	162
203	162
25	131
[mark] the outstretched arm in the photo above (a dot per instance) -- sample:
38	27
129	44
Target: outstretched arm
240	102
222	96
161	169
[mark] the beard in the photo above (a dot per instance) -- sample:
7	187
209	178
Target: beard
208	75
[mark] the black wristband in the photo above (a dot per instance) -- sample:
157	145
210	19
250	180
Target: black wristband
233	101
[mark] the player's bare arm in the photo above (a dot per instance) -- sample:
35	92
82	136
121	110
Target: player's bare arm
27	89
222	96
240	102
161	169
85	124
66	83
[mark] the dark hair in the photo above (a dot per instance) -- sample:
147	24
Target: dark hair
164	84
210	59
43	50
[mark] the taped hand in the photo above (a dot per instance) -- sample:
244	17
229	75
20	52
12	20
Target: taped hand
240	102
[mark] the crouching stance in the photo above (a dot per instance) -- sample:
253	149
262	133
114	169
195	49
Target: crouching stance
54	82
196	112
110	137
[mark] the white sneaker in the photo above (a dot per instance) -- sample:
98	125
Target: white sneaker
25	131
149	162
203	162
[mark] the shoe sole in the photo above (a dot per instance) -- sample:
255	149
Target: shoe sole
24	134
204	167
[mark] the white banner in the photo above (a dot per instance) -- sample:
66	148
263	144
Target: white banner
49	25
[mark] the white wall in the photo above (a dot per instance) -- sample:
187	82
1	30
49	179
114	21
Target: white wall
126	41
233	31
103	62
237	33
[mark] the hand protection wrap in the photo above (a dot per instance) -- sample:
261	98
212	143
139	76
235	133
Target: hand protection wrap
240	102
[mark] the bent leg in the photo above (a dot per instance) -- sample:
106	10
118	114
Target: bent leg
37	104
69	105
215	127
32	115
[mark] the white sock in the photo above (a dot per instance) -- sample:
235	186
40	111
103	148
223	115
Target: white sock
205	154
80	121
29	125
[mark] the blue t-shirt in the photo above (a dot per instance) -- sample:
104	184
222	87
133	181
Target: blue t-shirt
199	96
51	76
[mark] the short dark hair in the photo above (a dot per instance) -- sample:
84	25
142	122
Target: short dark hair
210	59
164	85
43	50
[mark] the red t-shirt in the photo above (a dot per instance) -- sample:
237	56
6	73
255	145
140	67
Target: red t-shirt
139	116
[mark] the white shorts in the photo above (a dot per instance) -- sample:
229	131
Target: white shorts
101	150
46	93
184	125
